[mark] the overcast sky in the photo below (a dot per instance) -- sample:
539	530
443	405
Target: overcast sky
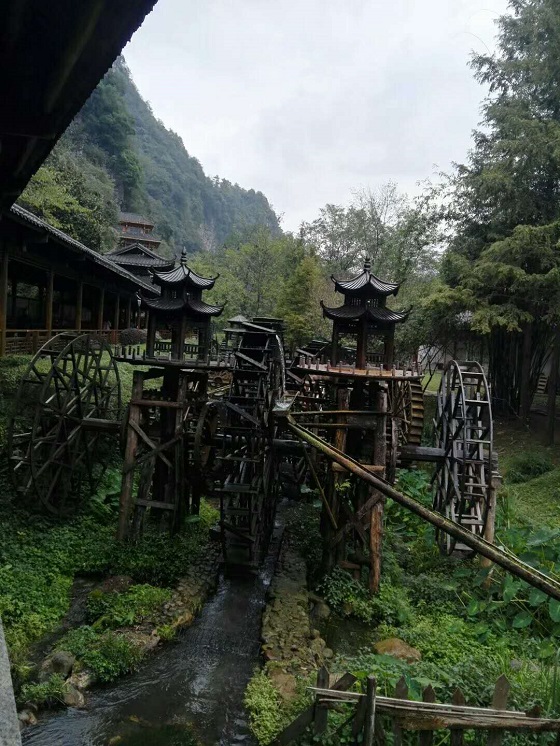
309	100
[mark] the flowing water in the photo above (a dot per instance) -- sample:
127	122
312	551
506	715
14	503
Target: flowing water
189	693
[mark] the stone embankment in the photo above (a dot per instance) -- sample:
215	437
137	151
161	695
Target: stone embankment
291	646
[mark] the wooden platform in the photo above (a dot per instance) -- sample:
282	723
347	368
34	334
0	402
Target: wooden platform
321	370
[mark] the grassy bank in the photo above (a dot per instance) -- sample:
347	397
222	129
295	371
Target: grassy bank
40	558
467	625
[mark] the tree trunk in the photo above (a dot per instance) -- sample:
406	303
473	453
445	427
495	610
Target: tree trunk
525	384
552	384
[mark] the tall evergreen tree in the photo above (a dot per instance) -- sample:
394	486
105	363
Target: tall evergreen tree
512	179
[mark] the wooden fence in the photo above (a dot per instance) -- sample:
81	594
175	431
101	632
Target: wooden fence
370	713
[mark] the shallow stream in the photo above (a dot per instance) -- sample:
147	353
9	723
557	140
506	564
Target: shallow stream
189	693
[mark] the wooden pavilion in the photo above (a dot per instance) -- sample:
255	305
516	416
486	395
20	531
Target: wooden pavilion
49	282
364	314
181	311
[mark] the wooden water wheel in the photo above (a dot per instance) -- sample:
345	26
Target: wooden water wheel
406	404
246	469
464	431
67	406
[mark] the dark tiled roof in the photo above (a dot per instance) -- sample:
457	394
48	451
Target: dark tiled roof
354	313
182	274
24	216
197	307
135	260
366	280
140	246
133	217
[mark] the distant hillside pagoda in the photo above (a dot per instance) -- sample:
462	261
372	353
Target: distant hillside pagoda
137	229
181	310
364	314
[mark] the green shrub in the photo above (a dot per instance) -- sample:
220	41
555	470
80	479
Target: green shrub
108	655
166	632
263	704
349	597
136	605
48	693
528	465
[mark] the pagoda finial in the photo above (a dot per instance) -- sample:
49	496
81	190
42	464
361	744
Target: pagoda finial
184	256
367	264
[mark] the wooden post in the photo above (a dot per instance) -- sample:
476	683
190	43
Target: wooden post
376	518
79	303
490	528
321	713
101	308
457	735
427	736
3	299
332	554
128	313
334	345
390	347
361	347
499	702
49	302
116	317
13	310
552	386
401	692
127	482
369	725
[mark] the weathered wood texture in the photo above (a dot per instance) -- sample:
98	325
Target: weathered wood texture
426	717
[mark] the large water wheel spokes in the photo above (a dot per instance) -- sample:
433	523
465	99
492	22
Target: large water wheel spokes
464	431
67	406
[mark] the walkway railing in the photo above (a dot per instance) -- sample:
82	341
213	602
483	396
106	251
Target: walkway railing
28	341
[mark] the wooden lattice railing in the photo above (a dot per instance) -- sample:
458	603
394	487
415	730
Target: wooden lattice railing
28	341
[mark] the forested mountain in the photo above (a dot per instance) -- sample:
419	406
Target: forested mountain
117	155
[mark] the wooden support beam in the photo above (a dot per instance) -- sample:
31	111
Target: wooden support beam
79	303
369	725
127	482
49	302
116	317
3	298
101	308
508	561
128	317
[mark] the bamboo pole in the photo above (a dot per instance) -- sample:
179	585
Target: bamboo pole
506	560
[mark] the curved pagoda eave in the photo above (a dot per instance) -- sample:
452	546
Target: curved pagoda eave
175	306
365	283
357	313
182	275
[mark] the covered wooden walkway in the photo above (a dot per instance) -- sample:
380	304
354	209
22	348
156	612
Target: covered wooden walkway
49	282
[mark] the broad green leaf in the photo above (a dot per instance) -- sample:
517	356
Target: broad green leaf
523	619
554	609
536	597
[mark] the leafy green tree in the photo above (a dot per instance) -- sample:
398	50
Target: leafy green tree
512	180
76	196
299	304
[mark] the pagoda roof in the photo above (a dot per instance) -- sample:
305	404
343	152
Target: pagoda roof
177	305
183	275
127	256
239	319
356	313
134	217
365	280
